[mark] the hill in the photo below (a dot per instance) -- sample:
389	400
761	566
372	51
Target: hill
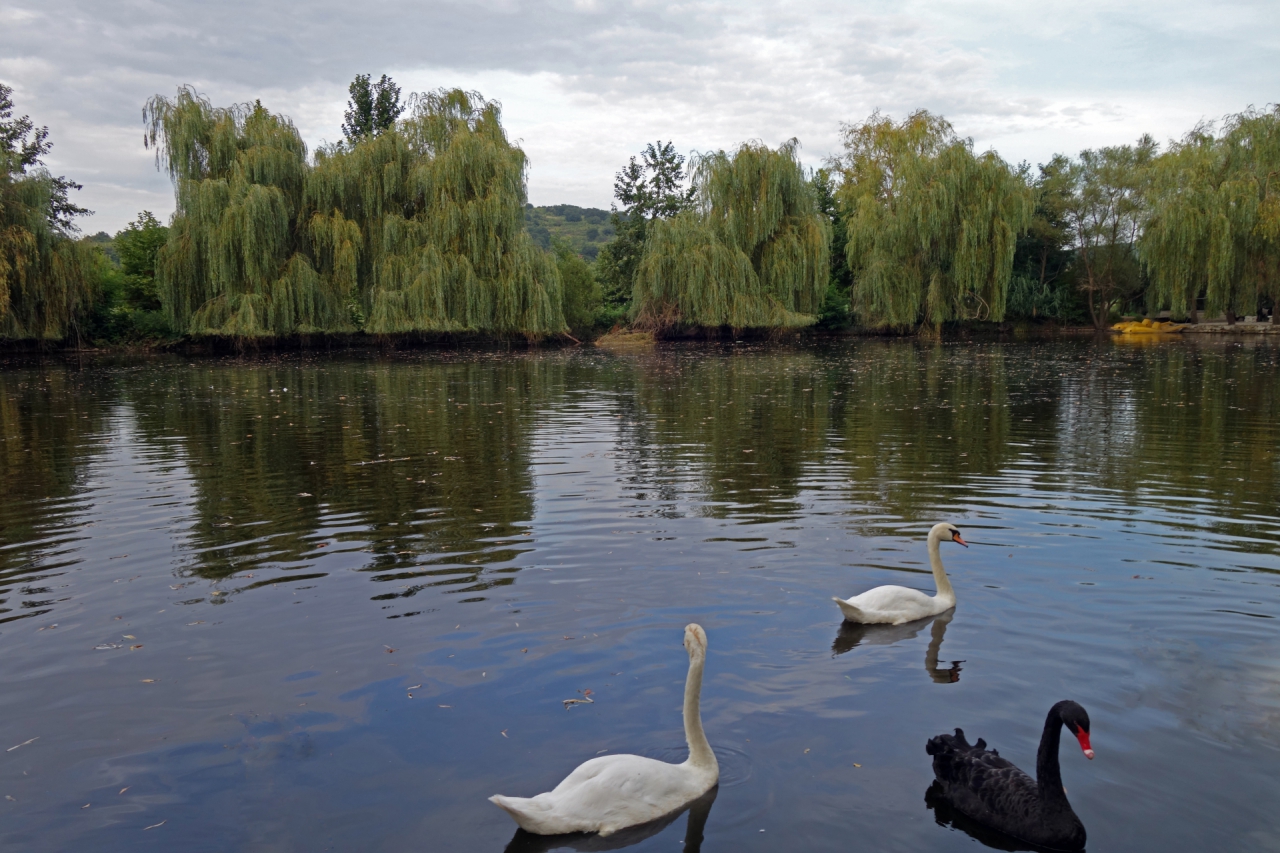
586	229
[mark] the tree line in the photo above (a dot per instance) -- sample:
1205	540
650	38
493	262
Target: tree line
413	223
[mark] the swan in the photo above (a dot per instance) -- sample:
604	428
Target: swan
980	784
612	792
894	605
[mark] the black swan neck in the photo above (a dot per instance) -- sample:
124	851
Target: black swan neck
1048	771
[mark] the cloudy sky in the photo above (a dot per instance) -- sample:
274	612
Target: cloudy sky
585	83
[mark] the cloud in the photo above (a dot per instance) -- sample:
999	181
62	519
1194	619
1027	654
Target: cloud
585	83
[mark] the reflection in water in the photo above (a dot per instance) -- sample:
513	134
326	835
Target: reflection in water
854	634
699	810
541	514
946	814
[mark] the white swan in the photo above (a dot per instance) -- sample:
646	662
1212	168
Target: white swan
616	791
894	605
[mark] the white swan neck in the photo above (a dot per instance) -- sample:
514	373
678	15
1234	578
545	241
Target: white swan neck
700	754
940	578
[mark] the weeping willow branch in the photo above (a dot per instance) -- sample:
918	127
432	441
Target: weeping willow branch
752	254
418	229
1213	217
47	280
932	226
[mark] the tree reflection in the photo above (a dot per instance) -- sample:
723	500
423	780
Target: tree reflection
51	427
425	464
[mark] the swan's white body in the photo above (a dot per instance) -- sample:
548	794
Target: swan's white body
613	792
894	605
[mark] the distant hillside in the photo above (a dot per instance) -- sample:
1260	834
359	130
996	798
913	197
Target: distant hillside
585	228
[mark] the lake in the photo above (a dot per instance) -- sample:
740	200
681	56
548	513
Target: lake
334	602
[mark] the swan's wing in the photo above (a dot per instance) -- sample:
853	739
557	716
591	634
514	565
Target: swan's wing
982	784
893	604
606	794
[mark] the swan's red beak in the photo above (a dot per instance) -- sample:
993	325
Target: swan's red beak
955	537
1083	737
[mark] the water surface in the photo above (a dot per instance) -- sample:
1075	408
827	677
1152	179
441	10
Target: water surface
309	603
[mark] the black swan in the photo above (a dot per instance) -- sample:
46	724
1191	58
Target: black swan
989	789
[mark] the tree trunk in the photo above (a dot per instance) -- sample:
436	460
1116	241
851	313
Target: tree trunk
1231	317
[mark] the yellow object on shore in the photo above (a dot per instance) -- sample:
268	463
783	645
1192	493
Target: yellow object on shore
1147	327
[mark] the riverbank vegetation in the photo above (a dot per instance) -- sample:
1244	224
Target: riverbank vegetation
750	251
48	280
414	228
416	223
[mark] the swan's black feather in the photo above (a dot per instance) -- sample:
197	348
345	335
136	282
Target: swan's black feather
980	784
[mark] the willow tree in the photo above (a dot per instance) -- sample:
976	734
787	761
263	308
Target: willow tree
752	253
1213	217
932	226
47	279
416	229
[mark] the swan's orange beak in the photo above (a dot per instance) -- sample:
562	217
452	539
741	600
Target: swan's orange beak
955	537
1083	737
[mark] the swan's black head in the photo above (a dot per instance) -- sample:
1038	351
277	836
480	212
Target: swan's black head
1076	719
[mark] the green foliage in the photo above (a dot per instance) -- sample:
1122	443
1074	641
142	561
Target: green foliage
835	312
1213	217
585	229
373	108
1104	211
753	254
581	290
47	279
415	229
1043	283
128	309
648	190
932	227
138	246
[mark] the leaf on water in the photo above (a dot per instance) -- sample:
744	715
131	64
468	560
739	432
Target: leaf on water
201	622
154	825
134	648
806	752
388	648
526	651
122	790
444	706
148	681
857	765
86	805
414	687
130	637
24	743
104	646
304	494
118	557
504	734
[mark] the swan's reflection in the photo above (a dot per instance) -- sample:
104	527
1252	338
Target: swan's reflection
852	635
947	815
699	810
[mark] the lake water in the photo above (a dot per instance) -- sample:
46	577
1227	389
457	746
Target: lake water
333	603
